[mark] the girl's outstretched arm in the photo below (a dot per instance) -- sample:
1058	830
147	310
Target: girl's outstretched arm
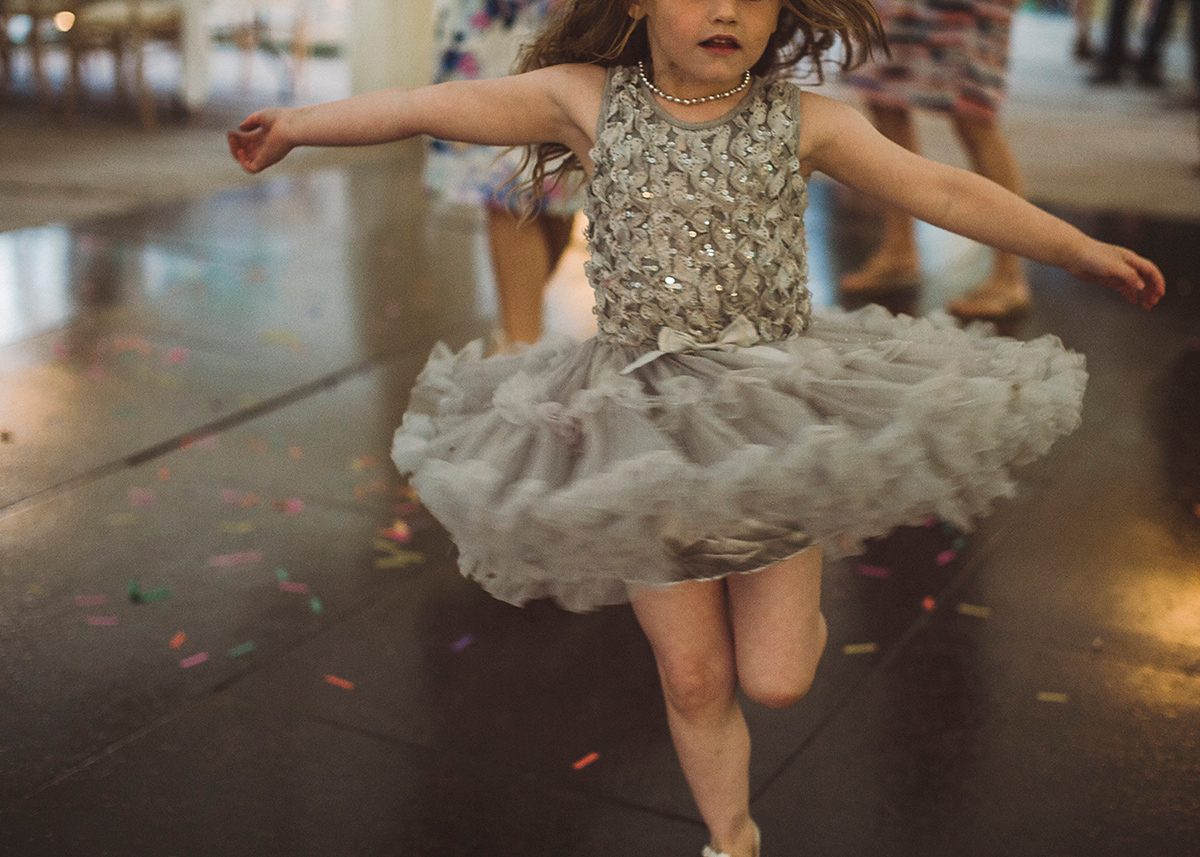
837	140
558	104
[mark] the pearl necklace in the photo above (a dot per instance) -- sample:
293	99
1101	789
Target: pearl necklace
642	73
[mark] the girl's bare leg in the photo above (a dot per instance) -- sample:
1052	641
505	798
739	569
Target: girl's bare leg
895	263
764	628
524	255
1005	291
689	629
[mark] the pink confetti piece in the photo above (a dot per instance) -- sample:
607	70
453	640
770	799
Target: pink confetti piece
874	571
295	452
90	600
164	474
188	663
580	764
177	355
95	371
462	642
931	521
946	557
288	586
291	506
339	682
140	497
230	496
178	640
103	620
231	559
397	532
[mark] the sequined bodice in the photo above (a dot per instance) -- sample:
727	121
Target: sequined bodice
692	225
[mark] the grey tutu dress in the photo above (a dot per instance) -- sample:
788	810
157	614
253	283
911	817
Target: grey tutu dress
716	423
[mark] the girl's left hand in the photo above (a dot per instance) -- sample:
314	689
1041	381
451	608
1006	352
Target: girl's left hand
260	140
1122	270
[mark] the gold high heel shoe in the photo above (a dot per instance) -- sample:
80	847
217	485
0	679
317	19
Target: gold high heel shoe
709	852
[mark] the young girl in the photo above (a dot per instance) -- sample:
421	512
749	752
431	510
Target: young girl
717	436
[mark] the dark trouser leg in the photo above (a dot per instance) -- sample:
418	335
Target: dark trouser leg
1116	38
1157	30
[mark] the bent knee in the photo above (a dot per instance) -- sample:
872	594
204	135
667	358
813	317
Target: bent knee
781	685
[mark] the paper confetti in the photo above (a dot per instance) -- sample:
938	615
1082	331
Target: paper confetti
243	649
974	610
860	648
580	764
928	604
395	558
946	557
363	462
291	506
339	682
239	528
103	620
1051	696
137	595
121	519
178	640
188	663
931	521
397	532
462	642
295	452
140	497
90	600
164	474
874	571
959	543
231	559
301	588
176	355
315	605
281	573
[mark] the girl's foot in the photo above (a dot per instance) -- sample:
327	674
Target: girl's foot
992	300
884	272
709	851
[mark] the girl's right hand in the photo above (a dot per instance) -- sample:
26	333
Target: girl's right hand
260	140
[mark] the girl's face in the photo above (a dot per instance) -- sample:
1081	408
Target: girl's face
699	47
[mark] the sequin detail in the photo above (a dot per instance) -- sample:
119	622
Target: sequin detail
692	225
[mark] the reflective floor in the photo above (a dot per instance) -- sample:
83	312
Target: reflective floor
227	629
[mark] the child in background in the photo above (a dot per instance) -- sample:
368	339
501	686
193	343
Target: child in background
718	435
481	39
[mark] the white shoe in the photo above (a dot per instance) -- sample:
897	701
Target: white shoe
709	852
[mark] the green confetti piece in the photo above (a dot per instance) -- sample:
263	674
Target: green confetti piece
243	649
315	604
281	574
959	543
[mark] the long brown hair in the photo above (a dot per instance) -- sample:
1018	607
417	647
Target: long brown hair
601	32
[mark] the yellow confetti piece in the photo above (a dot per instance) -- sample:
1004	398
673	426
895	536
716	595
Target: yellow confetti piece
121	519
860	648
395	558
238	527
167	381
1051	696
975	610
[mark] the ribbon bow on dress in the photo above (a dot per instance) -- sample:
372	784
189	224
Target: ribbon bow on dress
740	333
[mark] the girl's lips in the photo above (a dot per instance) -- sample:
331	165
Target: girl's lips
721	43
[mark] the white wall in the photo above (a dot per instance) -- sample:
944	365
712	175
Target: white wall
390	43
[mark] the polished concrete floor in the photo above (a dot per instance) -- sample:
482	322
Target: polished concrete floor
226	628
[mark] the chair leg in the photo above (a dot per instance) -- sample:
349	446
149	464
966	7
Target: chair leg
40	83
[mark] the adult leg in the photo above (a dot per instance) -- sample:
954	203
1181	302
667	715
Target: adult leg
1005	291
895	263
689	629
1082	49
524	255
1116	38
1149	62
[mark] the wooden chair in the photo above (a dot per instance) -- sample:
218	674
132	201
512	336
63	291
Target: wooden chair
122	28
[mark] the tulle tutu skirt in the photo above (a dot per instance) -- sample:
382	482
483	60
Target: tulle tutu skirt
558	476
